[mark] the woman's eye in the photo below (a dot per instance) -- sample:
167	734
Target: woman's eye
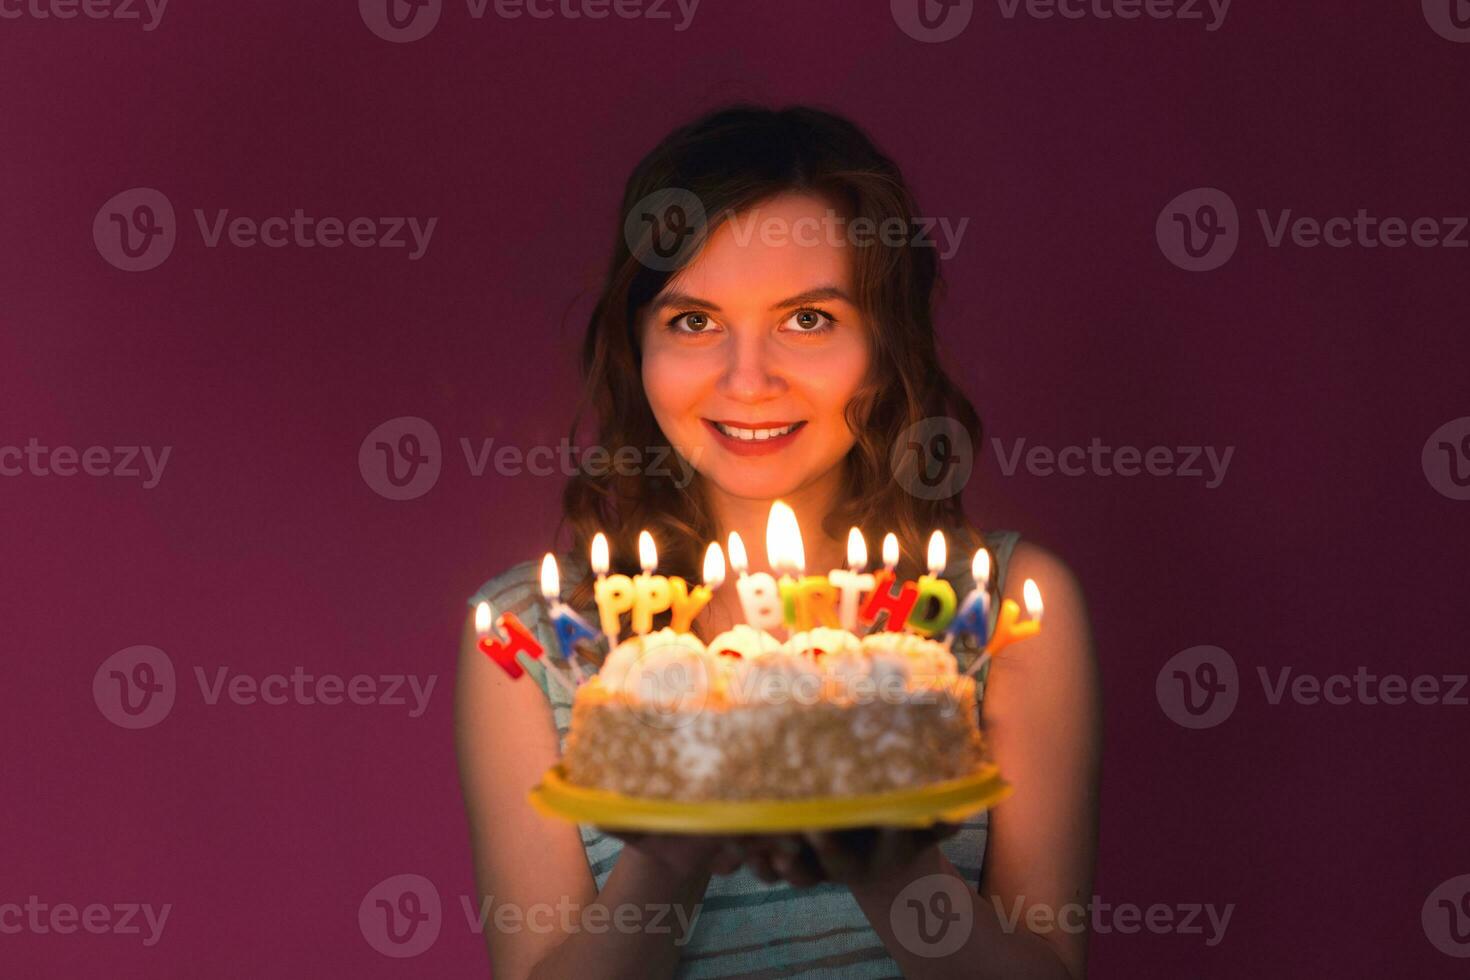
810	321
691	323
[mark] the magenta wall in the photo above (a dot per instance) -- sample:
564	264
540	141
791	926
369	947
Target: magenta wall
1326	547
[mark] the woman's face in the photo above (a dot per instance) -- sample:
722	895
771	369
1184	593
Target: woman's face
753	351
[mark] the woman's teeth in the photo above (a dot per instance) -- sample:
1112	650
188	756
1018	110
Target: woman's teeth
755	435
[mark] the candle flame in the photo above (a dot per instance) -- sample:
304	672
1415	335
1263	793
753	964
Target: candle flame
783	540
857	551
980	569
1032	594
550	578
890	551
738	561
647	553
938	553
600	560
714	566
482	619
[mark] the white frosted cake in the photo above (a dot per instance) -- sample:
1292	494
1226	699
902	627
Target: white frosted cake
825	713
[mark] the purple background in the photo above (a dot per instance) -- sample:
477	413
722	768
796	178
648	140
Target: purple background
264	548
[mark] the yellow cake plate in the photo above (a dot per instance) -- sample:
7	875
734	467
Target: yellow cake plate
950	801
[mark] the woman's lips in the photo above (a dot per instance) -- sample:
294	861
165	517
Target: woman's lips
753	447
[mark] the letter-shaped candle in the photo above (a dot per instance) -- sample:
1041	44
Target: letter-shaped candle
853	581
883	600
935	605
973	619
613	593
651	593
759	598
569	626
1007	628
687	603
504	652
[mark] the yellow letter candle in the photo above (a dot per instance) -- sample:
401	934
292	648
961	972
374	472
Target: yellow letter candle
687	604
651	593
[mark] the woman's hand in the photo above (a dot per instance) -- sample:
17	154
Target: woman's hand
846	857
684	854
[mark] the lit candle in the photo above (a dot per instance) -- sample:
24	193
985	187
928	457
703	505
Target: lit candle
973	619
883	600
651	593
687	603
852	581
569	626
759	598
934	607
504	651
785	554
613	593
1009	628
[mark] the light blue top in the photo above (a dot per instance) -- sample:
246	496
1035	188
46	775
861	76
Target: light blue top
746	927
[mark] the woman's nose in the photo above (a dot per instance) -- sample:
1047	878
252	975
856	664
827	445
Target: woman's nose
752	372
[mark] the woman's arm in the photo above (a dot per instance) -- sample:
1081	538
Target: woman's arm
1042	714
506	741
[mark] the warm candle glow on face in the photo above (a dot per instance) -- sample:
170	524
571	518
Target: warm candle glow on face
938	555
550	578
482	619
890	551
783	541
857	551
980	569
738	561
1032	594
647	553
600	560
714	566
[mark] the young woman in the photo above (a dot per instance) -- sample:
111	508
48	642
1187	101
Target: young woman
769	328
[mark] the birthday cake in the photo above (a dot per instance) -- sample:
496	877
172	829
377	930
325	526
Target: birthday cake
825	713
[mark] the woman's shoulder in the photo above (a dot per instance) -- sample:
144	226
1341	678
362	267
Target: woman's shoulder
517	589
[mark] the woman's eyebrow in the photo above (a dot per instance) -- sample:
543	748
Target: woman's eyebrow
810	296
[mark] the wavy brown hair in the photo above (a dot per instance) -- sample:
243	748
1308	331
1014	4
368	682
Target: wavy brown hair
724	164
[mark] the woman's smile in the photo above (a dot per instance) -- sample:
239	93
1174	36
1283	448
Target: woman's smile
754	438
